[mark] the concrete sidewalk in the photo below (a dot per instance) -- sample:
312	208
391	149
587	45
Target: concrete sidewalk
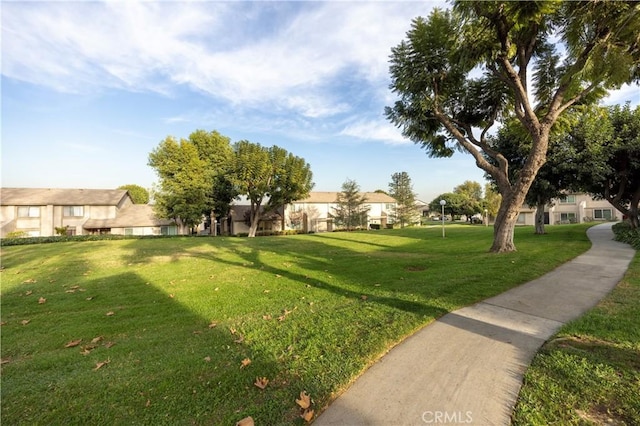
467	367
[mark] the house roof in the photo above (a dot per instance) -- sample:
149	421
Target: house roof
60	197
135	215
331	197
240	211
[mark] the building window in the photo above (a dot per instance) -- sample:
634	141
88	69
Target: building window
164	230
567	217
569	199
602	214
128	231
73	211
28	211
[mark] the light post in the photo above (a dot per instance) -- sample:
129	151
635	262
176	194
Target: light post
443	203
486	217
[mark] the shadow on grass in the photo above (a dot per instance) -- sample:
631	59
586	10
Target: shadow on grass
162	364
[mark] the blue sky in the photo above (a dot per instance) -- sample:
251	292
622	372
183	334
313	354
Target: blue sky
89	89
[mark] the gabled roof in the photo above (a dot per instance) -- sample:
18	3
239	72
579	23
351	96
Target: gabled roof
135	215
61	197
331	197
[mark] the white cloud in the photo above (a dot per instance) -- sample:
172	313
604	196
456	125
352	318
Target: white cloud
289	54
375	130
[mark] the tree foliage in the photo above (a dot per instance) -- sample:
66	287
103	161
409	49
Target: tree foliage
269	177
574	51
605	144
351	209
138	194
401	189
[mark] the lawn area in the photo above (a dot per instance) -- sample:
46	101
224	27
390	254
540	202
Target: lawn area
589	373
176	331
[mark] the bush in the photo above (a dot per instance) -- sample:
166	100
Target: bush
625	234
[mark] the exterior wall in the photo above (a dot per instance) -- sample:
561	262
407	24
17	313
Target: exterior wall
576	208
146	230
318	215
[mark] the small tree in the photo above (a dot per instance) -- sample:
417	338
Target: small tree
351	211
401	189
472	192
138	194
457	204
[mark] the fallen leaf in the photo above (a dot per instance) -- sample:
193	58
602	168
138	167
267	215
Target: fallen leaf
305	400
29	293
148	403
90	298
42	300
101	364
3	323
247	421
73	343
266	317
97	339
267	291
29	281
261	382
245	362
197	332
364	297
74	287
110	313
25	322
278	276
70	291
307	415
85	351
213	324
240	339
232	330
207	358
171	296
4	361
109	344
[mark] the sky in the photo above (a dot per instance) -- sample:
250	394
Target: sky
89	89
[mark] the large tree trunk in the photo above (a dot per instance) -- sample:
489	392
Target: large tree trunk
540	218
504	226
254	219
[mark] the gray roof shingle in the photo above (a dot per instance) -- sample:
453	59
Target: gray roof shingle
60	197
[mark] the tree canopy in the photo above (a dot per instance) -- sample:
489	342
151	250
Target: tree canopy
269	177
351	209
460	71
139	195
401	189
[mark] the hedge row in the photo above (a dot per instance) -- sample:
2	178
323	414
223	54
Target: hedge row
625	234
61	239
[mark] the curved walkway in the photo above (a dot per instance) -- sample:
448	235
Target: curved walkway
467	367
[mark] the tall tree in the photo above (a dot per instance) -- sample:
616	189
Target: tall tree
401	189
472	191
269	178
139	195
456	204
575	51
351	209
606	143
185	182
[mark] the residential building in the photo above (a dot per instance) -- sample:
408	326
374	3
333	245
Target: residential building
314	213
39	211
572	208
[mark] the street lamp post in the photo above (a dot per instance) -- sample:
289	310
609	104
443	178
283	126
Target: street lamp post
486	217
443	203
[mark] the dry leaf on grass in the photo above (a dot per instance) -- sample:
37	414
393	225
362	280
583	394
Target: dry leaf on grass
207	358
29	281
266	317
305	400
247	421
213	324
109	344
245	362
29	293
97	339
73	343
42	300
25	322
99	365
4	361
307	415
261	382
110	313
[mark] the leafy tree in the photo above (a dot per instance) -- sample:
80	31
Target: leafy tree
139	195
269	177
457	204
606	144
460	71
351	210
472	191
491	200
183	193
401	189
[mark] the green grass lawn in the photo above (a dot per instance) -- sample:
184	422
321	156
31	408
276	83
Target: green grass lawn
169	322
589	373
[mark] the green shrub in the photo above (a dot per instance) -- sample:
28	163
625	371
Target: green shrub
625	234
